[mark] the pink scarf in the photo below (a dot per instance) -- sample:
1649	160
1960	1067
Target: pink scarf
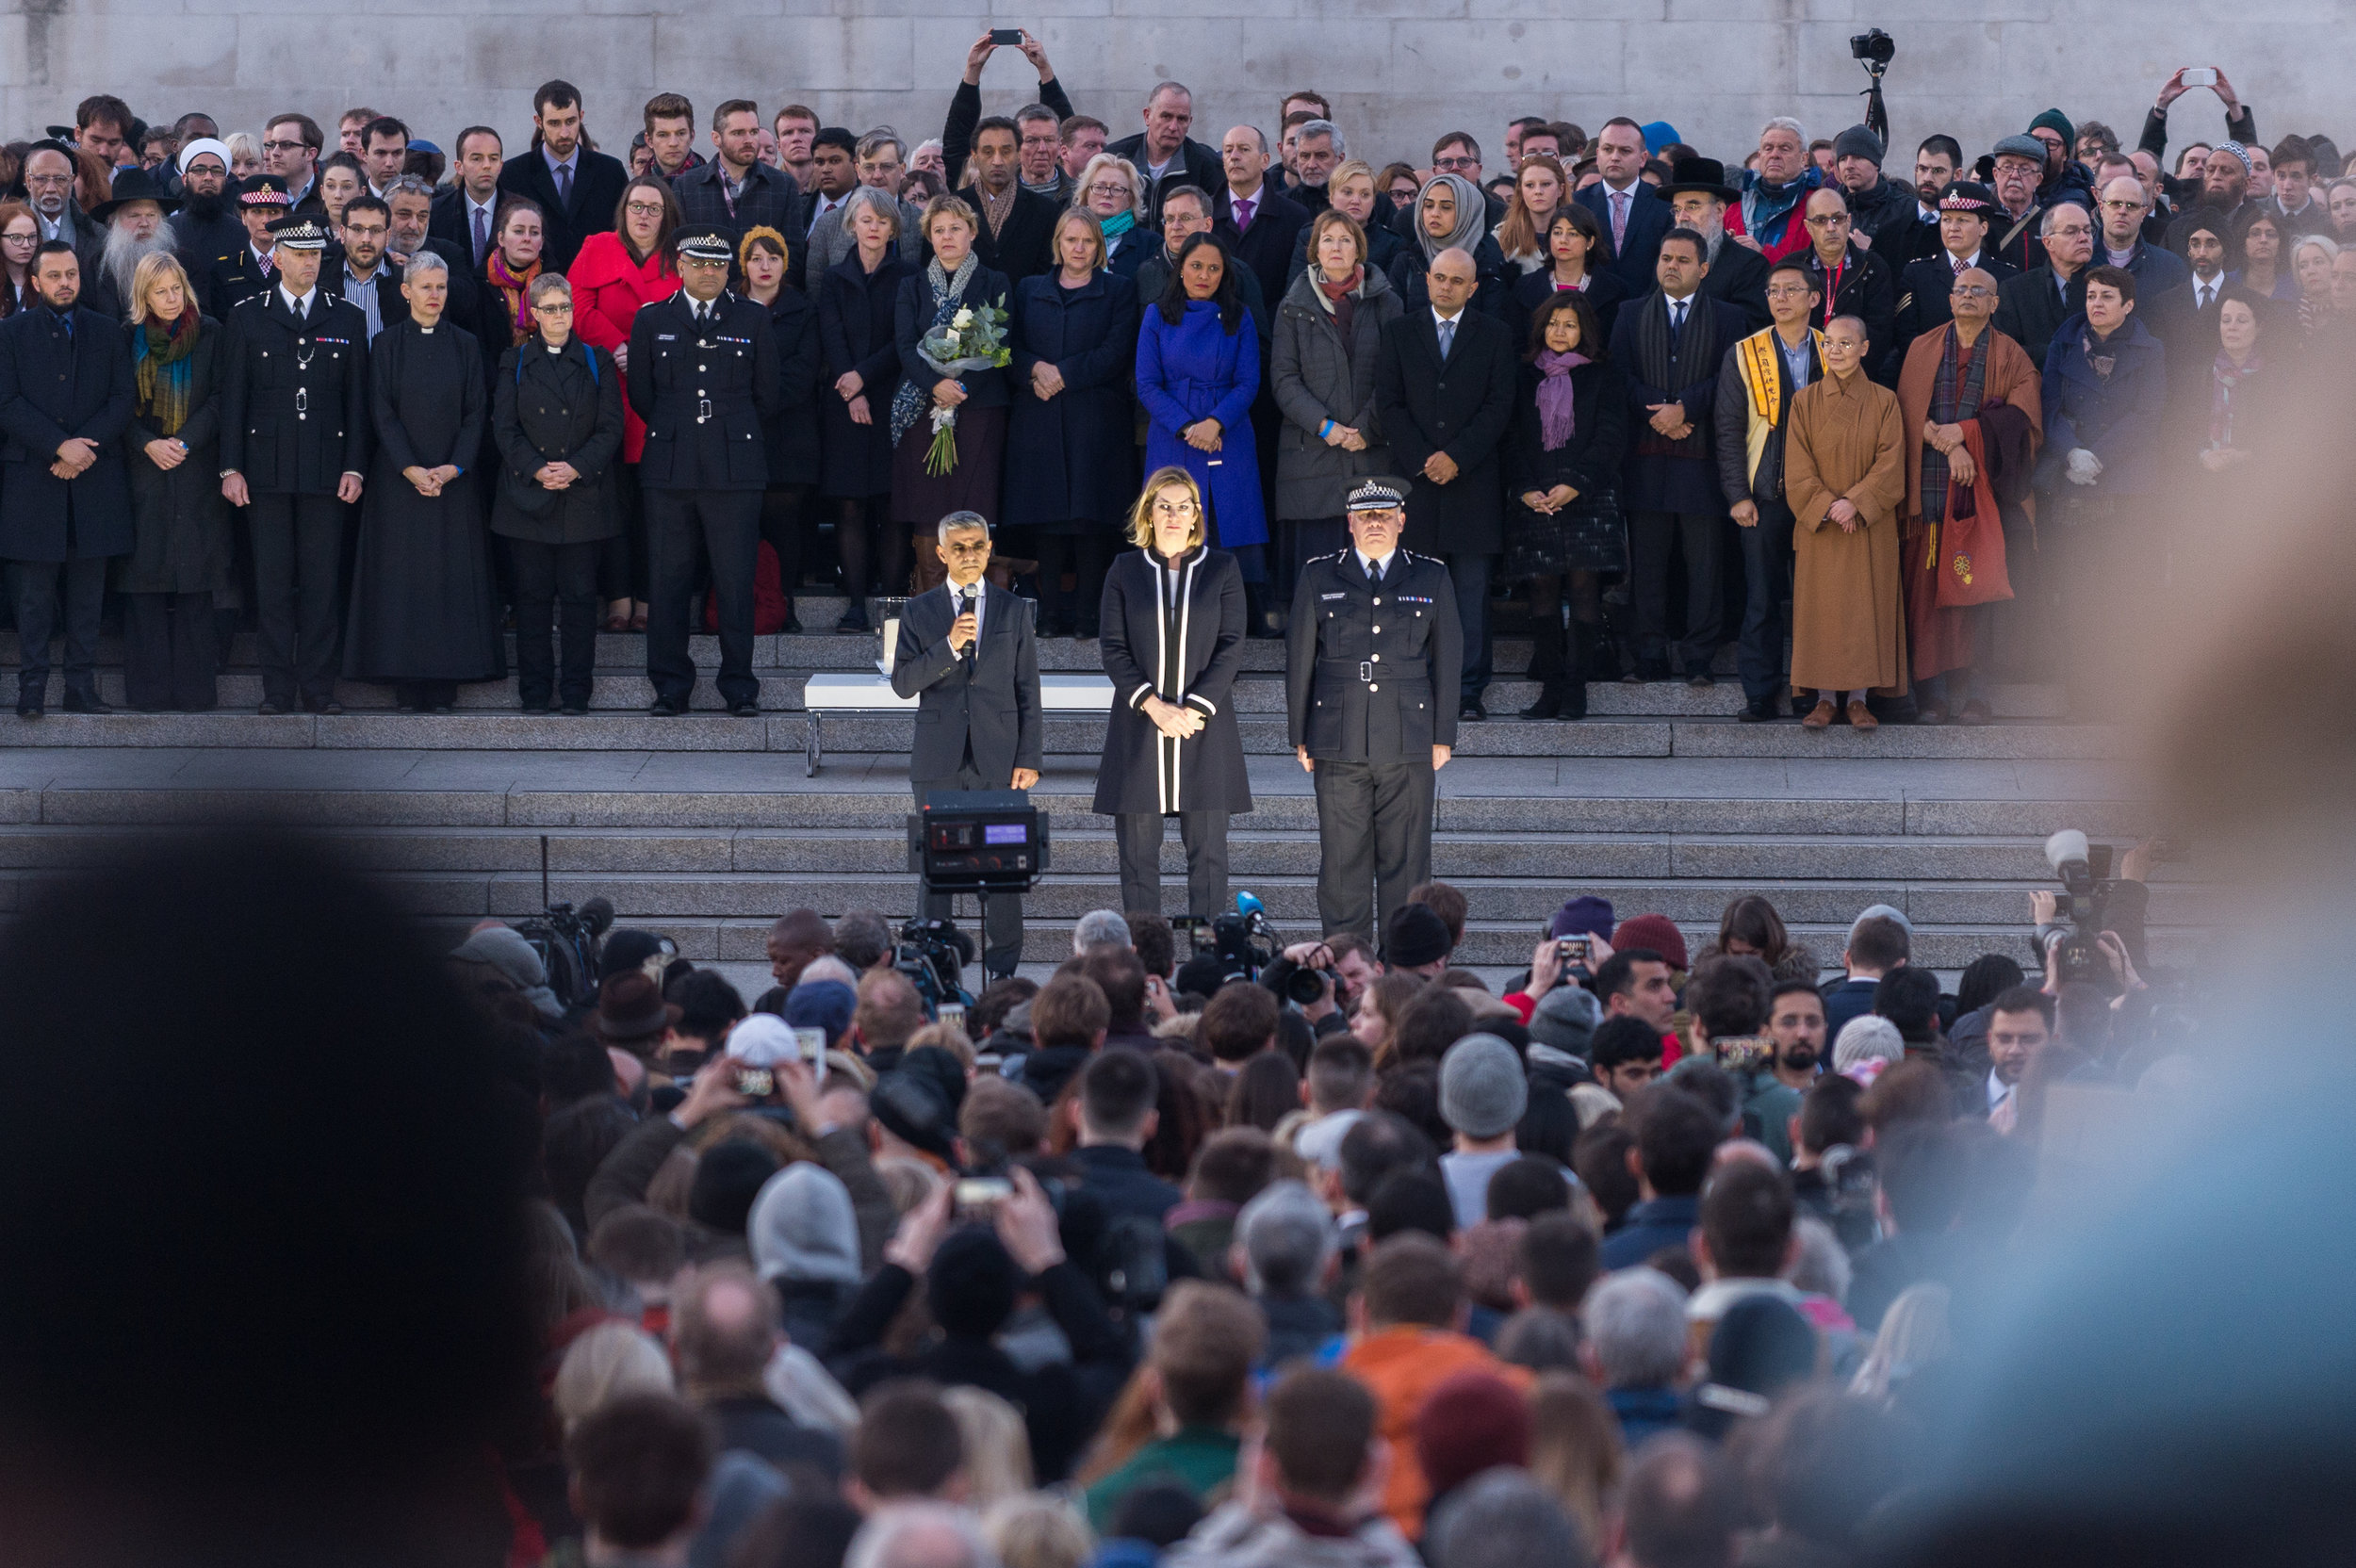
1558	409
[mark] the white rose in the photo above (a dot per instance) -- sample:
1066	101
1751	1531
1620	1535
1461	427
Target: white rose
962	320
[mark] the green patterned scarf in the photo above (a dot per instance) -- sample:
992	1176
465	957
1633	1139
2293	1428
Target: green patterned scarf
166	370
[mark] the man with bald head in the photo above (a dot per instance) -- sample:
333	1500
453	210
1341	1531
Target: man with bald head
724	1329
1259	225
1444	390
1967	400
799	938
2124	207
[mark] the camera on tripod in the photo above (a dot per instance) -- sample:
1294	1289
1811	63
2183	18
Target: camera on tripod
1244	941
2084	870
1874	49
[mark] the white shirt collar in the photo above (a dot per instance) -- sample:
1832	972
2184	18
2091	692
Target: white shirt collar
297	302
473	206
1455	320
1996	1092
1628	189
1969	261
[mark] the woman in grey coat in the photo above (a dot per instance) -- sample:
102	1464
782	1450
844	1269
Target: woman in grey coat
1327	332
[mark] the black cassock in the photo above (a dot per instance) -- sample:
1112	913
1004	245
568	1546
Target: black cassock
1184	647
423	605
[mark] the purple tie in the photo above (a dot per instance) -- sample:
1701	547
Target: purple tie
1619	219
1243	214
481	233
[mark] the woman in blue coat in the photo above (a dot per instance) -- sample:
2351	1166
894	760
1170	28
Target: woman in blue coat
1071	440
1173	620
1198	372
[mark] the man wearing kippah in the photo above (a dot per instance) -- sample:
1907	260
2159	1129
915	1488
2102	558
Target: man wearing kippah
1372	662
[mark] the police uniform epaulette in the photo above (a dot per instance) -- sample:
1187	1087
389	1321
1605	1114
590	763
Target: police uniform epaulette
1336	556
1431	560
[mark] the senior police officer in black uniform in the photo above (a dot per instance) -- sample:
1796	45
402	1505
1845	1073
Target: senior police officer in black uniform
1371	665
704	376
294	443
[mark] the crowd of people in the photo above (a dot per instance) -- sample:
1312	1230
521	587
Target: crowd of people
1652	1257
377	400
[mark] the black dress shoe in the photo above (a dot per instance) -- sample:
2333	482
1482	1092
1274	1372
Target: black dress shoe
28	708
267	708
575	709
1761	712
1700	681
854	621
666	707
77	702
793	626
328	707
1471	712
538	710
1548	706
748	709
1650	670
1087	632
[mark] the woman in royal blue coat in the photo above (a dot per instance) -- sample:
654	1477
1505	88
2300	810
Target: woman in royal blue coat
1198	372
1072	447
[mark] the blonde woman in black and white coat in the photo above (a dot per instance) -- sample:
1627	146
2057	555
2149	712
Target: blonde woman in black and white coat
1171	635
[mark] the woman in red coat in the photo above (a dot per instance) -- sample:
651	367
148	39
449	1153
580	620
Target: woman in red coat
612	276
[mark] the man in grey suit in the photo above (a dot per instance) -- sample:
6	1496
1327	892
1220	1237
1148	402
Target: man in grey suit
968	654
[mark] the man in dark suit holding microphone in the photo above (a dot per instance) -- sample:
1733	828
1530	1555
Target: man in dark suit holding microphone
968	654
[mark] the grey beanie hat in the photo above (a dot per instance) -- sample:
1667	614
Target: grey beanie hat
505	950
1858	142
1567	1018
1484	1090
802	1227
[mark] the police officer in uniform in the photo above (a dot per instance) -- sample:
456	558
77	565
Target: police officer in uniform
224	282
294	443
1370	673
703	375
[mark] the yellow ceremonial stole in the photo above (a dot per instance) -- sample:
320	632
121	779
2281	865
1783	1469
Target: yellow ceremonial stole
1760	358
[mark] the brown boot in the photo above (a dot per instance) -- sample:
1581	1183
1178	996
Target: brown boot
1862	717
1819	717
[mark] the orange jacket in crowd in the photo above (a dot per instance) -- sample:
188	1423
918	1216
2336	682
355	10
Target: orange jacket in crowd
1401	1367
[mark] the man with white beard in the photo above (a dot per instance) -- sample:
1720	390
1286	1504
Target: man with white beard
132	219
1699	195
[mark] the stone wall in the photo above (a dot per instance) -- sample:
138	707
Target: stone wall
1400	71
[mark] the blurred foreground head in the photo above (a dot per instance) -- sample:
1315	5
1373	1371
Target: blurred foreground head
2168	1377
261	1241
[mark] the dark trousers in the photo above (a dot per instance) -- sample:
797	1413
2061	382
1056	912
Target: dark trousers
864	531
170	651
1766	583
683	527
1002	913
1652	537
1470	574
549	576
622	558
1374	828
39	587
783	509
1139	835
298	559
1299	539
1084	555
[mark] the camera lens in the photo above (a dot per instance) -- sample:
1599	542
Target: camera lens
1306	986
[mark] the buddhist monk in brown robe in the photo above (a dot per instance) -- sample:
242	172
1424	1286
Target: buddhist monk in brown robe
1965	388
1844	476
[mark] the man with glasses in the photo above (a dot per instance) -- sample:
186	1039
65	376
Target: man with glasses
409	204
1968	399
703	375
1850	279
2158	273
1924	287
882	162
290	150
1756	385
2031	308
49	179
1456	153
206	225
969	655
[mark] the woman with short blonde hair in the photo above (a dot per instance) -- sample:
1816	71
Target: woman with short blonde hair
1171	641
1108	190
180	527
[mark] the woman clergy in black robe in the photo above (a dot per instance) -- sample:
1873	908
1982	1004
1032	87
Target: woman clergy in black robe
423	616
1170	632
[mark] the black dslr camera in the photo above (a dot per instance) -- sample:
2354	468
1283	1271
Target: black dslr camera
1874	49
2084	870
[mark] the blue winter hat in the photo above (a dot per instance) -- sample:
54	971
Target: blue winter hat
821	1005
1583	915
1658	134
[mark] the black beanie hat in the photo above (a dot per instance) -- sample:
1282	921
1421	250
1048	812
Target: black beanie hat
1413	937
728	1177
972	1283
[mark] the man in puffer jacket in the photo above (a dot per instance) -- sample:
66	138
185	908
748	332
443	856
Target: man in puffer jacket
1298	1501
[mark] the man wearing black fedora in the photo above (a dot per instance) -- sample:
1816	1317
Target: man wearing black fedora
632	1015
133	219
1699	196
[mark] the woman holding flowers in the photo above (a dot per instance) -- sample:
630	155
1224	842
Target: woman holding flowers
949	416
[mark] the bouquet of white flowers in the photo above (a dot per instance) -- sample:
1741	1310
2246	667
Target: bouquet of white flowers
975	339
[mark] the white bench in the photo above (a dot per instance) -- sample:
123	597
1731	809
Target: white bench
871	695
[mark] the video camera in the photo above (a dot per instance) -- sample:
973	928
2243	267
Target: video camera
933	954
568	942
1245	942
2084	870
